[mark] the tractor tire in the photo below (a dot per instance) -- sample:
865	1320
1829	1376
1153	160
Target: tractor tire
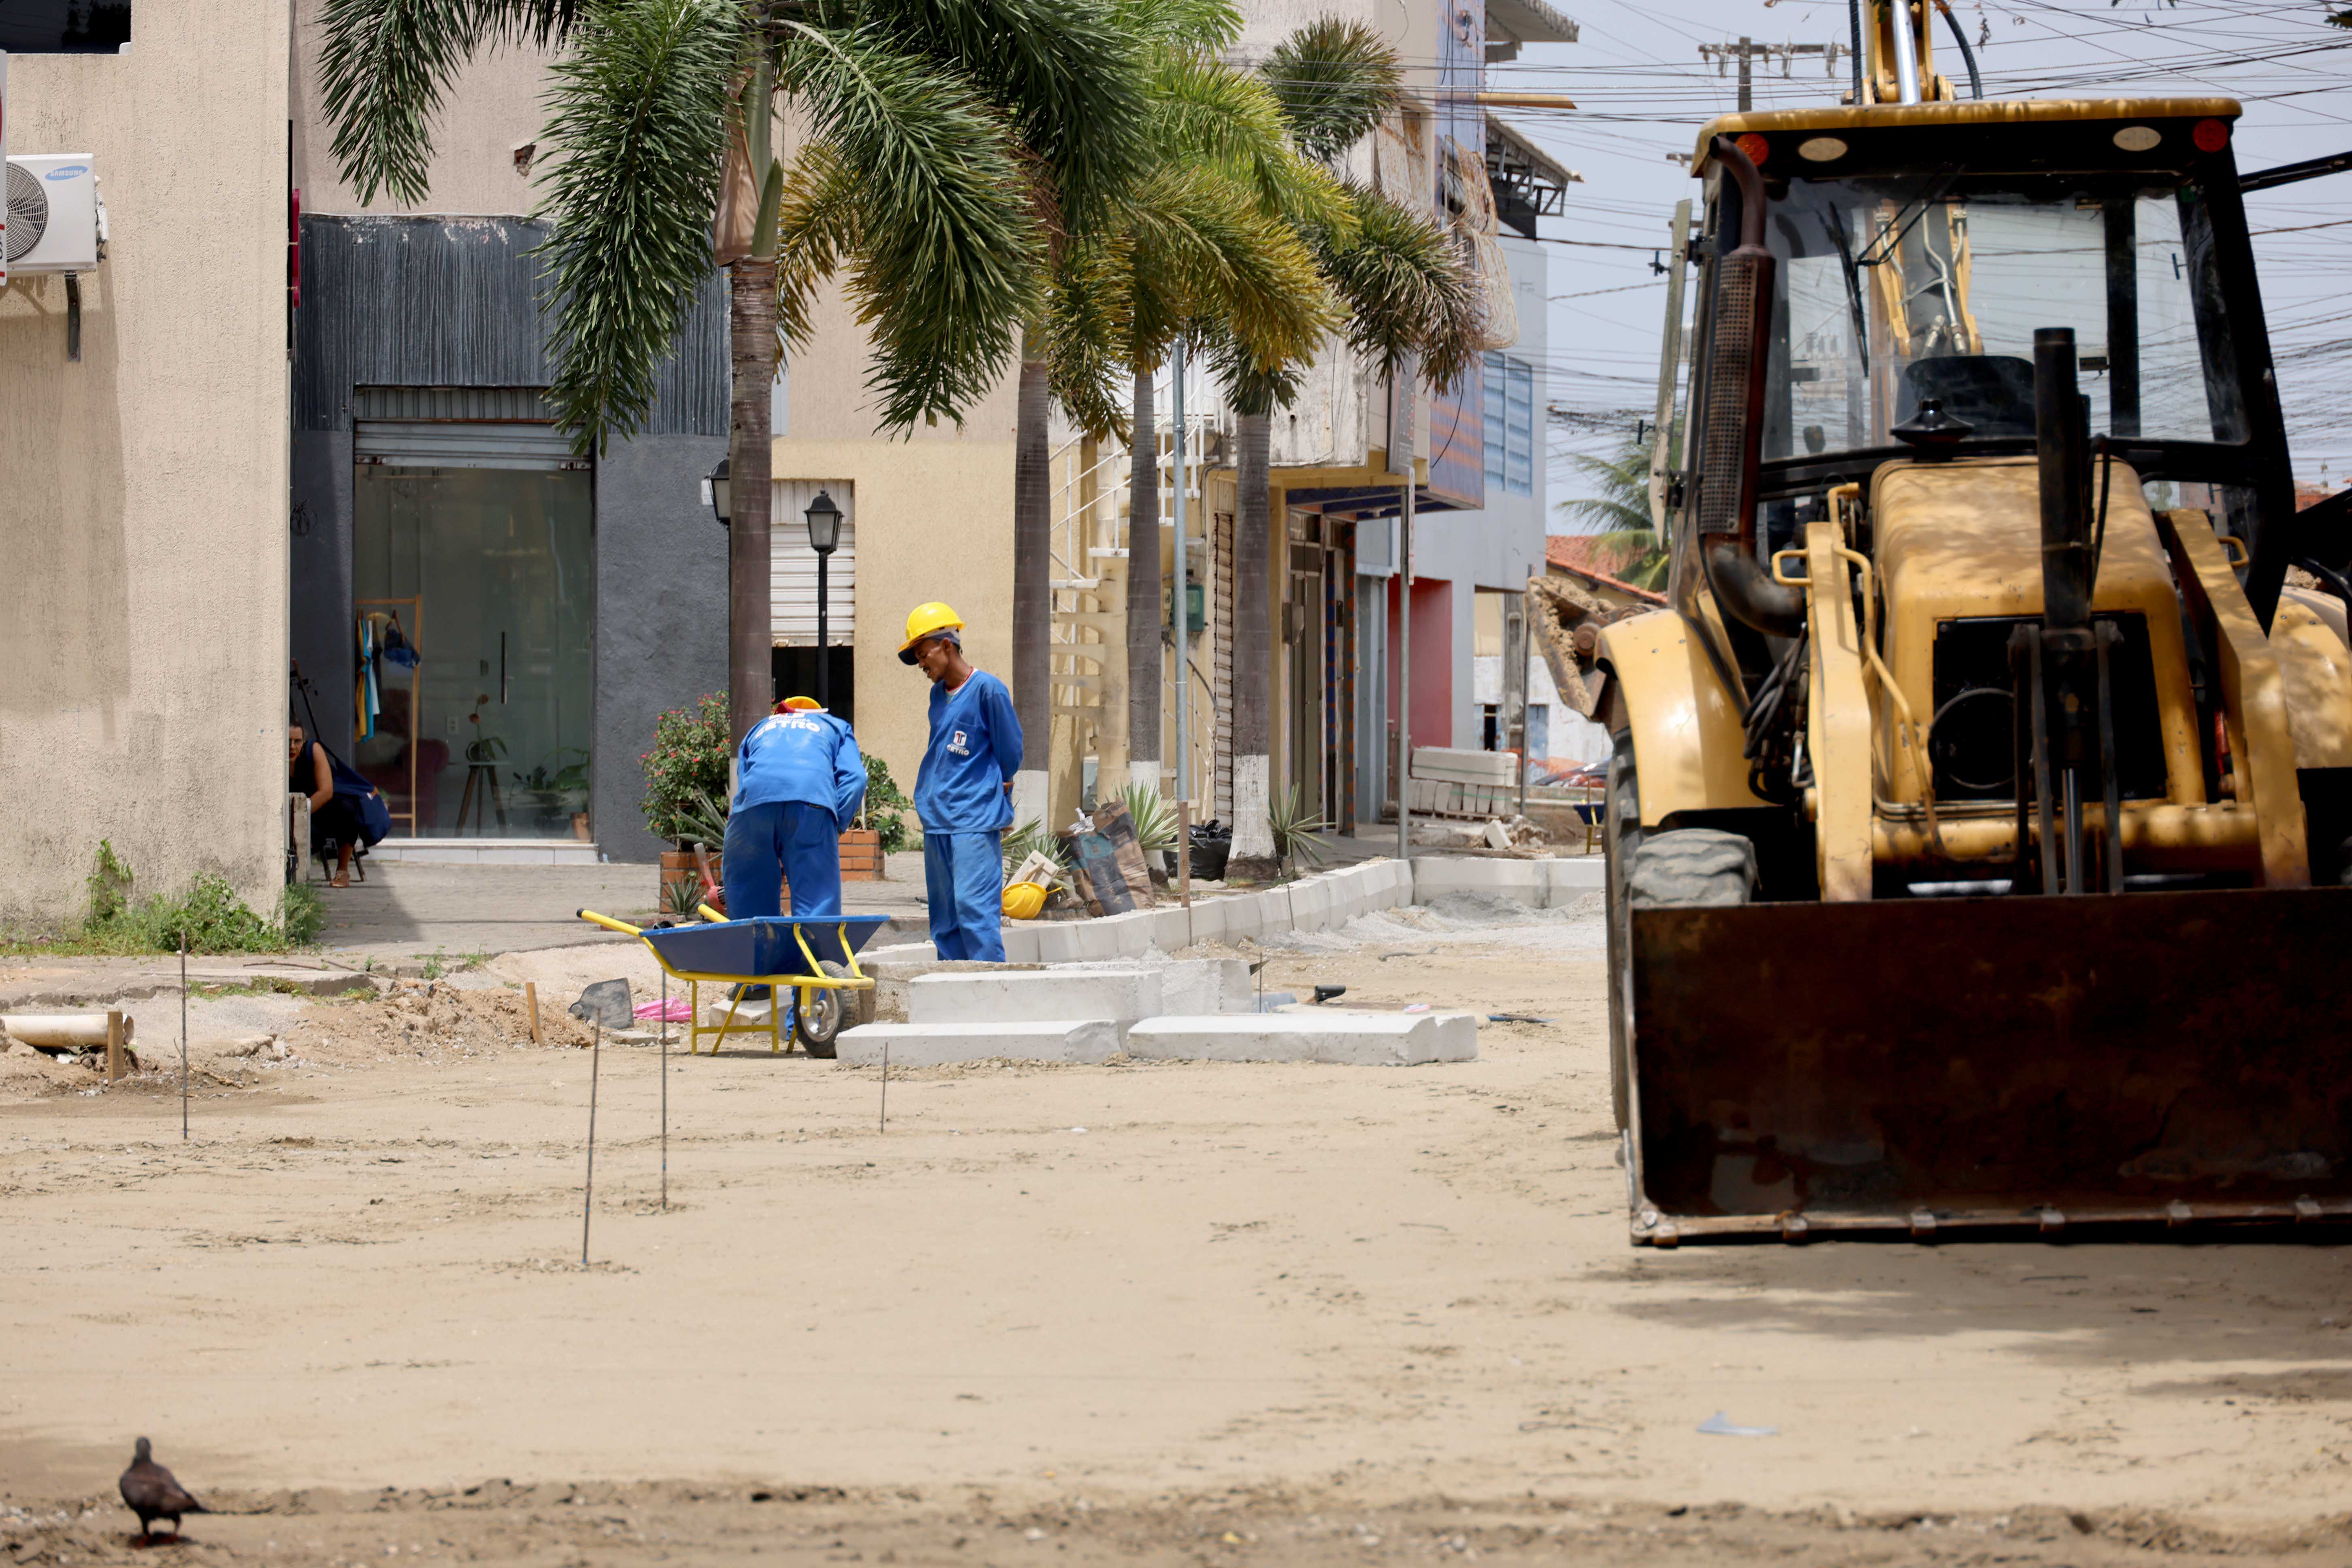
817	1021
1621	838
1682	866
1693	868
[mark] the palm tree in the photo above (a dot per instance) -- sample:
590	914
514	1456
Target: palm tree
1209	239
1410	298
1620	512
944	142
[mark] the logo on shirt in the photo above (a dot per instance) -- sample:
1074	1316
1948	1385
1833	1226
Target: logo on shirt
957	745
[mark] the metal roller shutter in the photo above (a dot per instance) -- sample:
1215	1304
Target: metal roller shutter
458	427
791	579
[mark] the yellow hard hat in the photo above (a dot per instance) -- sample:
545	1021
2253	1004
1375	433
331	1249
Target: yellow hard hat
803	705
1024	900
927	621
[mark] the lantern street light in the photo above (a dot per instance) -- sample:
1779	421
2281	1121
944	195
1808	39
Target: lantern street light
824	533
719	493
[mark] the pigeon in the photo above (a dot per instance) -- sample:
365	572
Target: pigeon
153	1492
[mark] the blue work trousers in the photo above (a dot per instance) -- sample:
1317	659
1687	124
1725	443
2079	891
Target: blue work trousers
963	878
782	841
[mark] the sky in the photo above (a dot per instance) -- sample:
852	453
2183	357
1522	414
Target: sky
1643	92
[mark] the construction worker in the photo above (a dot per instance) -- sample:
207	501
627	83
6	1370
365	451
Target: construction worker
800	784
964	793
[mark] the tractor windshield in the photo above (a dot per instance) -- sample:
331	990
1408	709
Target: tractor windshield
1890	291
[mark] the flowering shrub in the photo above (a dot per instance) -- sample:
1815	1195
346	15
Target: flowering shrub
689	760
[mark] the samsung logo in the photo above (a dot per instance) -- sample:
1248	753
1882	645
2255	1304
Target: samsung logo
69	171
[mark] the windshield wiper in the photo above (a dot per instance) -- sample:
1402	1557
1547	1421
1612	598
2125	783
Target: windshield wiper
1853	288
1886	243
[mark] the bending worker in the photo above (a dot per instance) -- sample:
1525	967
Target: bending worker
963	795
800	784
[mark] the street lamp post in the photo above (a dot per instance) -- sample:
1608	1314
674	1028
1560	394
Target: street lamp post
824	533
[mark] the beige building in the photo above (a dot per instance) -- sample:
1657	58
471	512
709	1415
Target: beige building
143	512
230	482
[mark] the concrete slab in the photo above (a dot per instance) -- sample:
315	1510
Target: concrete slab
892	976
1021	941
1568	880
1058	941
1172	927
1273	911
1326	1035
1310	904
1028	996
1523	881
1204	986
1129	935
931	1045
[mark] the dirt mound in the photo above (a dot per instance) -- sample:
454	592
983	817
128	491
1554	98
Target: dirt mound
429	1018
28	1073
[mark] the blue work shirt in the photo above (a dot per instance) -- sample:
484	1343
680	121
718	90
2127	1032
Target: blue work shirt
804	756
975	750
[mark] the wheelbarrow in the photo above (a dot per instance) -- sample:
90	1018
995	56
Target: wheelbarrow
814	956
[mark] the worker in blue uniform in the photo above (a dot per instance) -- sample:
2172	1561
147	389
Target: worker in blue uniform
963	794
800	784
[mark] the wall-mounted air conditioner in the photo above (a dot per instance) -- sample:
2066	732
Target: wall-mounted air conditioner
57	221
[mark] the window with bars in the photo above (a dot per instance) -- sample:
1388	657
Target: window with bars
1510	387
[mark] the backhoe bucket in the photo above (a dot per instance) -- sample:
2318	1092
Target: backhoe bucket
2178	1058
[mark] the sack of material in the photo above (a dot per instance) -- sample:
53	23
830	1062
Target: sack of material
1111	876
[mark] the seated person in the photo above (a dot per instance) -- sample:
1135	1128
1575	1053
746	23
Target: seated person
336	822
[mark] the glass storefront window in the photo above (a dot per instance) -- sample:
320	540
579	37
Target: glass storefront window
499	561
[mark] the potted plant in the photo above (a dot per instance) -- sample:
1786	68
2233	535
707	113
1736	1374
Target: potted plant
879	829
686	785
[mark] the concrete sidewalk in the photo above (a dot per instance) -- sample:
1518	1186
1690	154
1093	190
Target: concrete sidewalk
410	910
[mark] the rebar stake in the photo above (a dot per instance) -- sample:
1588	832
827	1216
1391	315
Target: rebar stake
588	1200
885	1127
184	1034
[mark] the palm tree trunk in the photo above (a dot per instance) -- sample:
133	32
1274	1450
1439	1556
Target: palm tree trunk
1033	591
1143	676
751	681
1252	850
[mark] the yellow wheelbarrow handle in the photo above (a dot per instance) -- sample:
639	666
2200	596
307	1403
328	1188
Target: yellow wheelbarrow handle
608	922
707	912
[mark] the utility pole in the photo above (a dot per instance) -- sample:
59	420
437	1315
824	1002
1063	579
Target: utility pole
1746	53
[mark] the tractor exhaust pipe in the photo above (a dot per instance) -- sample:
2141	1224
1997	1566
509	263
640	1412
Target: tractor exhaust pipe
1732	449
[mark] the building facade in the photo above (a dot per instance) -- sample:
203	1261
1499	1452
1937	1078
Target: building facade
303	468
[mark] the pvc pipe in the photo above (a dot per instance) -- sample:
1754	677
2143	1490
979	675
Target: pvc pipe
61	1028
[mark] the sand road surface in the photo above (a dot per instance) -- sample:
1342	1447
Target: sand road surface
1133	1312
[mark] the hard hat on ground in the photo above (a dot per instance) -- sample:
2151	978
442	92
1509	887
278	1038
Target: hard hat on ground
929	621
1024	900
800	705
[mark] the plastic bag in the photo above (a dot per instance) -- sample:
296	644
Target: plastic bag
1111	876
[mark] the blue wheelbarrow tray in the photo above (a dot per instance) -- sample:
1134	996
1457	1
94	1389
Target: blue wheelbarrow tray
766	948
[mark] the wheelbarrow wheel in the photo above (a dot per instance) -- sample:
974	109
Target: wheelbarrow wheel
818	1020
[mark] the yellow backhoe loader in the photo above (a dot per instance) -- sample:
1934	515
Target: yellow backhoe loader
1979	812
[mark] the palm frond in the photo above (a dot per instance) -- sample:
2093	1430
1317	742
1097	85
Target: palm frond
1614	513
384	64
1622	482
1406	287
1641	559
1067	75
816	229
1203	246
1207	113
639	108
1335	77
1197	27
949	259
1088	330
